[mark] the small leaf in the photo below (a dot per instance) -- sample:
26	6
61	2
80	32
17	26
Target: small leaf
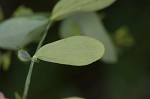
20	31
123	37
73	98
6	60
90	25
24	56
65	8
17	96
76	50
22	11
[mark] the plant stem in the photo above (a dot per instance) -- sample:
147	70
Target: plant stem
44	35
28	79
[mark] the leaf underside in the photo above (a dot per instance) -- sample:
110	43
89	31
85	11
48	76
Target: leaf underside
76	50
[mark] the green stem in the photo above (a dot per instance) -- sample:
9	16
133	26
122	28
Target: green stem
44	35
28	79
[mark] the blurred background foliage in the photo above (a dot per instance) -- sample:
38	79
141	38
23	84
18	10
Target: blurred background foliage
128	24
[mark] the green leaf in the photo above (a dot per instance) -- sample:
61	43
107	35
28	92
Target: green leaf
18	32
22	11
69	27
76	50
90	25
6	61
73	98
24	56
64	8
123	37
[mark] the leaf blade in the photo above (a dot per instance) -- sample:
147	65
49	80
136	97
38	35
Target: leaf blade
18	32
91	25
76	50
59	12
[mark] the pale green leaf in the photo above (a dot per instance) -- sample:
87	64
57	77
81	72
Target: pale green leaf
76	50
18	32
91	25
23	55
65	8
73	98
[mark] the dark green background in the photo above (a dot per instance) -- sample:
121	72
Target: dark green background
127	79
